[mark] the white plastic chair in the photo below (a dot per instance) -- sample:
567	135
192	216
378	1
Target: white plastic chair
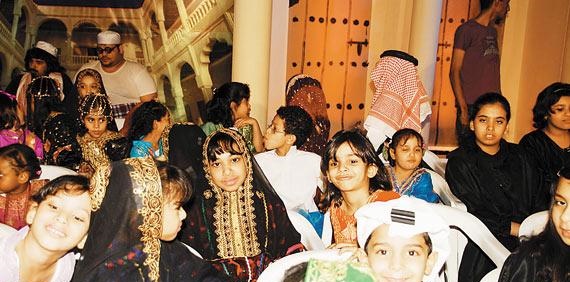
276	271
533	224
435	162
309	237
492	276
441	188
51	172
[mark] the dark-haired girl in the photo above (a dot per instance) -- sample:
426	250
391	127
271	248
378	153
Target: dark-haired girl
12	127
549	144
495	179
546	256
148	122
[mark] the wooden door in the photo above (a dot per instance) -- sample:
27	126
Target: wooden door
328	40
454	13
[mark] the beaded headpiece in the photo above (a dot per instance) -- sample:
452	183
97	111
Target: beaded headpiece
43	87
97	104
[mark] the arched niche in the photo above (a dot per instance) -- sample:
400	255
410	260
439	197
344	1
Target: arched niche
194	102
220	67
84	39
53	31
21	30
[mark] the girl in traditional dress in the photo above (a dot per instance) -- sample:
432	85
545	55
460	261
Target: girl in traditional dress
237	221
406	175
99	145
549	144
48	118
136	215
13	130
355	177
19	166
149	121
230	107
89	81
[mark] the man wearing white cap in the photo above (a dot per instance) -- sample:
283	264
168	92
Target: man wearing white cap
127	83
41	60
405	240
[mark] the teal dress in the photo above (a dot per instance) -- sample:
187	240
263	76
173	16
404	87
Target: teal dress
246	131
143	148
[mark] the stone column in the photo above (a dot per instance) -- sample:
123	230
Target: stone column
15	24
250	58
177	93
182	12
424	33
278	57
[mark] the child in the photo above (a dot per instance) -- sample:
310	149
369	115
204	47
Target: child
549	144
137	213
406	175
99	145
48	118
230	107
12	128
293	173
495	180
18	167
59	218
89	81
405	240
237	222
148	122
356	176
546	256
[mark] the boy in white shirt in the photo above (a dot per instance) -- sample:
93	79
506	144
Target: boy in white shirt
294	174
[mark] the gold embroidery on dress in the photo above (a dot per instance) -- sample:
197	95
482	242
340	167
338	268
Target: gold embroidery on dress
98	186
234	213
146	185
93	150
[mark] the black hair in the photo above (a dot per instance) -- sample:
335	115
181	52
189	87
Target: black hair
220	143
22	159
93	73
144	117
364	150
297	122
44	95
486	4
548	248
175	182
8	112
546	98
487	99
69	184
218	110
51	61
402	136
97	102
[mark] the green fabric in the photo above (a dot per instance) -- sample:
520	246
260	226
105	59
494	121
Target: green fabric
333	271
246	131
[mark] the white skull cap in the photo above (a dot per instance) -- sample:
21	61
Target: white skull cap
47	47
108	37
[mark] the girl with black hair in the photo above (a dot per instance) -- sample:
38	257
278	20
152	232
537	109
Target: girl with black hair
546	256
147	125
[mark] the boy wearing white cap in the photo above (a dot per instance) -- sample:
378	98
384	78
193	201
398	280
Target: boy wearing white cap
405	240
127	83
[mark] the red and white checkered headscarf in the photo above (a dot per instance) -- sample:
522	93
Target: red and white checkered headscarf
400	99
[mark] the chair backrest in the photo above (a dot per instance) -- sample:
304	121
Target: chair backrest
533	224
327	230
309	237
465	224
51	172
275	272
441	188
435	162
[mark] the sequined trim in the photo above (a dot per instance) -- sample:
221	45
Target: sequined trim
98	186
93	150
234	213
146	185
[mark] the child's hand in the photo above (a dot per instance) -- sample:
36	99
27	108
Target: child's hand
245	121
31	140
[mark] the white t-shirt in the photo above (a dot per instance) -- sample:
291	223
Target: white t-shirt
127	84
295	176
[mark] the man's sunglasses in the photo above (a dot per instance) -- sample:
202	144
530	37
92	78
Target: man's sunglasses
106	50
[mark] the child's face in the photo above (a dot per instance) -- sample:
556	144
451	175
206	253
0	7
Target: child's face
172	216
10	180
88	84
408	155
160	125
60	222
275	136
241	110
349	172
561	211
96	124
228	171
395	258
559	116
489	126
